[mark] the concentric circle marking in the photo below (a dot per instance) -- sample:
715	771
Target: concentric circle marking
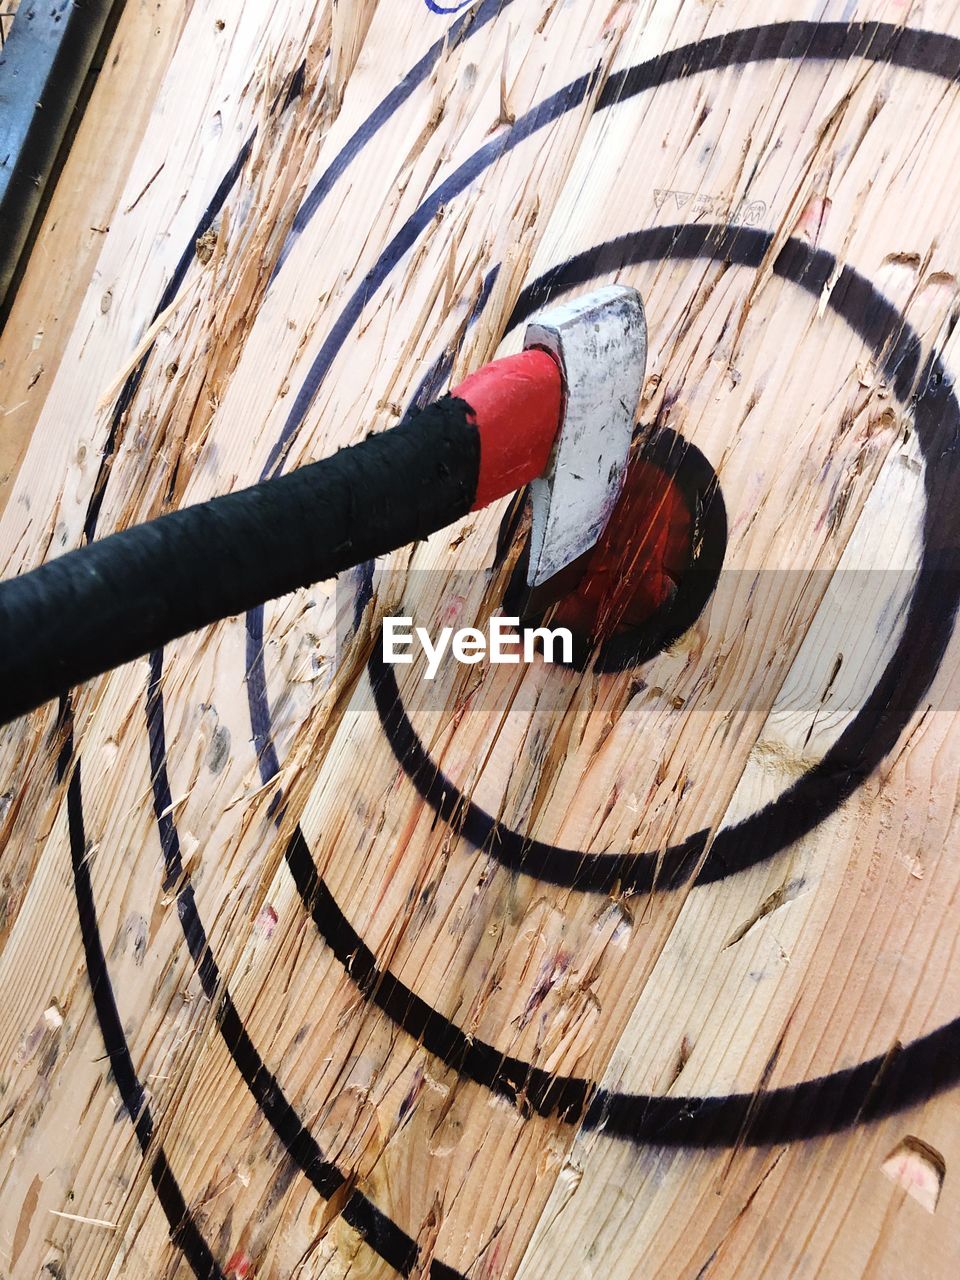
901	686
924	1067
873	1088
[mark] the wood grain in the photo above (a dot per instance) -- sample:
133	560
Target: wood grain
834	950
77	218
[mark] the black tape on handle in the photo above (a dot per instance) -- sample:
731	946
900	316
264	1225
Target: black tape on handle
125	595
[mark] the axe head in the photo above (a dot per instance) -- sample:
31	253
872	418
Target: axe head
600	343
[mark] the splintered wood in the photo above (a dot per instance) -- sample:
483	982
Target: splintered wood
311	967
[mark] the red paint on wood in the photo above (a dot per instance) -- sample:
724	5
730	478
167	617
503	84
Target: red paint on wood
239	1266
635	567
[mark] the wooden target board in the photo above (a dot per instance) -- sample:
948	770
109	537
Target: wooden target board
310	967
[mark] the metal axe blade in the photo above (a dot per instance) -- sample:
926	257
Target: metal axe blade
600	343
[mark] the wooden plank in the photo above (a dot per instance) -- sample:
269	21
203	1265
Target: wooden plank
46	63
178	157
342	1092
76	220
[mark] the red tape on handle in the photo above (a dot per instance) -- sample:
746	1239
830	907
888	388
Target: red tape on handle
516	404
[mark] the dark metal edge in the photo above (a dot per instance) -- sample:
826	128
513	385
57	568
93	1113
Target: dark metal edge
43	67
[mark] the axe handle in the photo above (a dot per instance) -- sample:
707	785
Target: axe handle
125	595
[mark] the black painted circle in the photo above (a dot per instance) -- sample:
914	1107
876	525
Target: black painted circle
901	686
842	1097
923	1068
698	484
877	1086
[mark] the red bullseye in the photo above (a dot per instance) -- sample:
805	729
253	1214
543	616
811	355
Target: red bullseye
650	575
636	566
